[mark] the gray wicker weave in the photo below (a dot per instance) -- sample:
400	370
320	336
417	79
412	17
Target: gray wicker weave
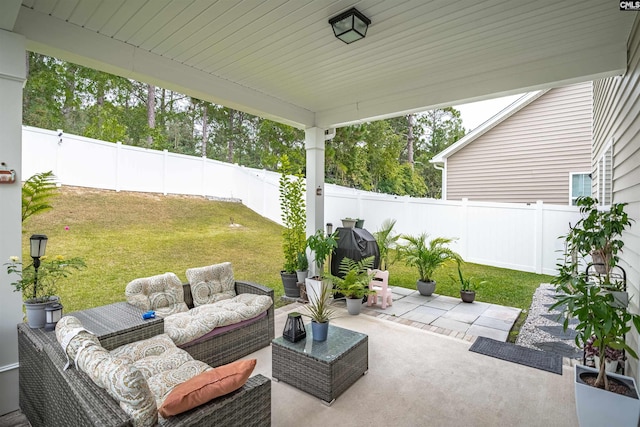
323	369
118	324
50	396
236	343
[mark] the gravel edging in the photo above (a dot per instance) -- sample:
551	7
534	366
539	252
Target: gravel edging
543	328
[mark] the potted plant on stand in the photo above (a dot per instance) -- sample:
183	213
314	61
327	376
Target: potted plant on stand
320	311
294	218
426	257
601	398
38	280
322	246
355	283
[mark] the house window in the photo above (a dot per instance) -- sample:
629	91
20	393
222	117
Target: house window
605	176
580	186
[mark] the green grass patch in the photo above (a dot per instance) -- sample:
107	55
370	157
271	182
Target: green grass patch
123	236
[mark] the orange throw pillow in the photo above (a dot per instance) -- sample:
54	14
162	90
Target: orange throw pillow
207	386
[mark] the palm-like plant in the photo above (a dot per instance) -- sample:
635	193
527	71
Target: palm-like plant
37	192
426	255
385	239
319	309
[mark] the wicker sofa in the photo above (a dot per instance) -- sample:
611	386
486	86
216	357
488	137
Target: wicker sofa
50	396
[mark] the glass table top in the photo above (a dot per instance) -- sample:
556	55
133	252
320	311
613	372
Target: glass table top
339	340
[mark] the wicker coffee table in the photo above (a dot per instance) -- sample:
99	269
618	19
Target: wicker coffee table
322	369
119	323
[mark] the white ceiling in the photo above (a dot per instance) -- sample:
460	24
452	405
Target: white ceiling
279	58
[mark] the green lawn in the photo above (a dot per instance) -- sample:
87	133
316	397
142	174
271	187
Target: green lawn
123	236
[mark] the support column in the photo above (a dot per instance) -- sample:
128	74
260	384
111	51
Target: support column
12	76
314	144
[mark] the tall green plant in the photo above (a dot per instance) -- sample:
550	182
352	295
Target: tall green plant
385	239
426	256
322	245
294	216
37	192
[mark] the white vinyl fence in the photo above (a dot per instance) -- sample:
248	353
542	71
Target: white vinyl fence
517	236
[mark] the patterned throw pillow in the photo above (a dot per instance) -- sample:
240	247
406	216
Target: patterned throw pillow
212	283
207	386
123	381
162	293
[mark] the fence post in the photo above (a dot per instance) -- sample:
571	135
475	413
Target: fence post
538	230
202	181
464	229
58	148
165	160
118	149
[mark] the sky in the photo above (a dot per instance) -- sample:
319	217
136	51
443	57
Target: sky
476	113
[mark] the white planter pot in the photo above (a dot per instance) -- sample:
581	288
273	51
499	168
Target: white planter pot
302	275
354	305
610	365
597	407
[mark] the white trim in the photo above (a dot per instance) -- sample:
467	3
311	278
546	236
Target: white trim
10	367
571	174
601	183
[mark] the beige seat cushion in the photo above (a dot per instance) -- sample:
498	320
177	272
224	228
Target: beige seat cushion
185	327
162	293
211	283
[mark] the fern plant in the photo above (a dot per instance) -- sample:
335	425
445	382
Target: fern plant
37	192
355	283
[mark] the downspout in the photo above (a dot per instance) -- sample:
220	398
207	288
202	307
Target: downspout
441	167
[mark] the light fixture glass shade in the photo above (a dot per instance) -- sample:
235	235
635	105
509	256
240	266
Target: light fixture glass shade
350	26
38	245
53	313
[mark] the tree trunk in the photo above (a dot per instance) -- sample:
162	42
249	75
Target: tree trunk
151	111
411	118
232	135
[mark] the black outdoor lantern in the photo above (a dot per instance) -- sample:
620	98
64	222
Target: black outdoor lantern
350	26
38	247
294	328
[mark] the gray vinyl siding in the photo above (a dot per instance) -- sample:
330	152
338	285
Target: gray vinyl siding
616	118
529	156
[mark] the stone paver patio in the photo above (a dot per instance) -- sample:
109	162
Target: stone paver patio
447	315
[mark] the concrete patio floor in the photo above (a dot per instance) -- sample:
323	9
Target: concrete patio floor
417	377
421	372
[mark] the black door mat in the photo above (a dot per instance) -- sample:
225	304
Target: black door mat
522	355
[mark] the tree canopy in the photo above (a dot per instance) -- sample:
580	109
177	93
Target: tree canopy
390	156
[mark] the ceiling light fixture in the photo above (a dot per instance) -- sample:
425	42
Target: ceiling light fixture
350	26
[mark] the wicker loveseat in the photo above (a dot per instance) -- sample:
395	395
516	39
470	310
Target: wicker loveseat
51	396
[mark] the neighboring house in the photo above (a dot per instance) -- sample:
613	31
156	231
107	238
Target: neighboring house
538	148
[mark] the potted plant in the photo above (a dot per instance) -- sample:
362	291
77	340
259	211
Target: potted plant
598	234
359	223
354	284
322	246
597	398
294	218
385	239
348	222
426	257
613	357
320	311
468	286
303	267
39	290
